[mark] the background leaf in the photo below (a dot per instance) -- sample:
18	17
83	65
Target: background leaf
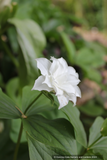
91	106
100	147
7	108
69	47
104	128
95	130
13	92
32	41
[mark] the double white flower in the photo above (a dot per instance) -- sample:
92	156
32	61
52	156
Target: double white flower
58	77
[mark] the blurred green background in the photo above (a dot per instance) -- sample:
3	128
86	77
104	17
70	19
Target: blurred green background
73	29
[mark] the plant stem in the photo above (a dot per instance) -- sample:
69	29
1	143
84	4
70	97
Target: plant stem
9	54
32	103
18	142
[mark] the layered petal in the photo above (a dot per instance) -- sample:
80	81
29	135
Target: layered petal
59	77
73	72
56	68
72	97
48	81
68	88
44	65
39	85
78	92
73	80
63	101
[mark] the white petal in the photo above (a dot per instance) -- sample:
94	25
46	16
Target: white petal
64	63
63	101
58	67
58	90
78	92
38	85
72	71
55	69
72	80
68	88
61	78
48	81
43	64
73	98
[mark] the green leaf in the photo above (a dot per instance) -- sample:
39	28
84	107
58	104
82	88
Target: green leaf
73	114
39	151
100	147
92	109
14	132
57	133
104	128
93	58
94	75
32	41
37	105
69	47
95	130
7	108
13	92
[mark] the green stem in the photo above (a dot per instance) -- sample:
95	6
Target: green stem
18	142
32	103
9	54
94	142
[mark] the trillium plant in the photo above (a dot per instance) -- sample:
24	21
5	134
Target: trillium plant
50	121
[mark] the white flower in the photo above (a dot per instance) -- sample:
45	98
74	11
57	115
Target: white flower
57	76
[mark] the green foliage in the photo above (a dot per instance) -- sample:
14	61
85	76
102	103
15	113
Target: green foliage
31	41
59	132
32	104
104	128
91	106
49	131
95	130
8	108
72	114
69	47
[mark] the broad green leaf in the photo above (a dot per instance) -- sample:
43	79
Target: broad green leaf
84	57
100	147
91	73
7	107
69	47
104	128
92	109
72	114
95	130
90	58
14	131
51	25
94	75
37	104
32	41
40	151
57	133
13	92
